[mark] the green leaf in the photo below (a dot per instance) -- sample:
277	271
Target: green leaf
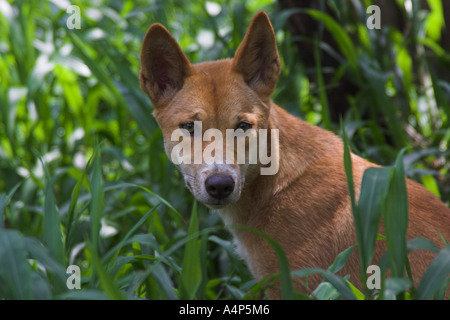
325	291
285	274
355	209
338	282
434	277
395	286
56	272
421	244
377	80
97	200
191	271
99	72
175	215
326	120
349	171
52	236
341	37
374	188
341	259
109	287
15	273
164	281
435	21
430	183
395	218
87	294
71	211
71	89
356	292
115	250
4	200
138	104
230	248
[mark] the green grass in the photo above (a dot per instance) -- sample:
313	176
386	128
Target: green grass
84	179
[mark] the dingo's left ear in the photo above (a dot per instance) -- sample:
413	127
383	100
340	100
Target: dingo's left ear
164	66
257	56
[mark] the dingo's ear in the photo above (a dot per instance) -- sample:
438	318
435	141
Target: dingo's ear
163	65
257	56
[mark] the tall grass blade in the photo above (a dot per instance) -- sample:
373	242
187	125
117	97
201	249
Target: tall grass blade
326	120
435	21
434	277
395	286
4	200
339	283
341	260
203	263
164	281
109	287
115	250
396	219
56	272
348	167
351	191
71	212
97	199
382	102
285	273
52	236
99	72
374	188
138	104
421	244
191	271
342	38
175	214
229	247
15	273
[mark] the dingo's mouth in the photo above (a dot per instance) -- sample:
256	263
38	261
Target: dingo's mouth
215	206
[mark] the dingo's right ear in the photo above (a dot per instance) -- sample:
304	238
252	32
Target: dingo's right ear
163	65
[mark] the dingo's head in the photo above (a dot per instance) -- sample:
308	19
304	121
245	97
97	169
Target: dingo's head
212	105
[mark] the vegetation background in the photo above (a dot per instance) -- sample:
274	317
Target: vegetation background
83	176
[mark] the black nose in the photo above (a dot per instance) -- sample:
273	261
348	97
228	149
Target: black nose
219	186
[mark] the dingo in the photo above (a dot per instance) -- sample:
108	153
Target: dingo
305	206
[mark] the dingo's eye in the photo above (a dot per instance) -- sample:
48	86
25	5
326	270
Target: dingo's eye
189	126
244	126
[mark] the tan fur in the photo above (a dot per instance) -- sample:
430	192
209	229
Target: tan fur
305	206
